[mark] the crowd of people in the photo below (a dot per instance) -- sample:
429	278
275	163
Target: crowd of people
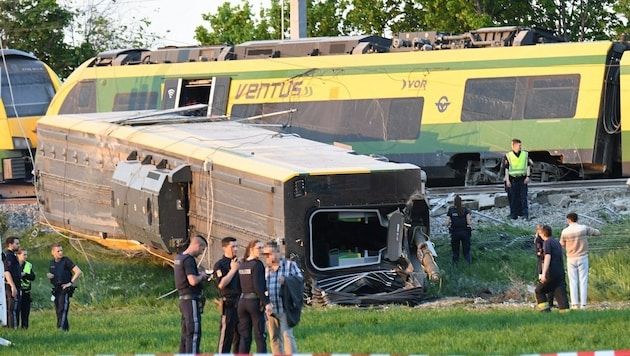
19	274
260	293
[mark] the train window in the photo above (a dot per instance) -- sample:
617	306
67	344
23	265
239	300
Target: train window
81	99
518	98
343	120
30	90
488	99
552	97
135	101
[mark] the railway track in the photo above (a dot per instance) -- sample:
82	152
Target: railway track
25	193
533	187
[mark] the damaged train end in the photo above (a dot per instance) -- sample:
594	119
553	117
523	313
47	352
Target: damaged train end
358	227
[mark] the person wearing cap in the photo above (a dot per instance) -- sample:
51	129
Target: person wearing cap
279	273
552	278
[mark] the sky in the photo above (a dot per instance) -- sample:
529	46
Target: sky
175	20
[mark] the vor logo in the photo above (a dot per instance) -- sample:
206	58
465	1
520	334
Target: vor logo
442	104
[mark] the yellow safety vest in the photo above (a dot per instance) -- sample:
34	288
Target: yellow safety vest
28	268
518	164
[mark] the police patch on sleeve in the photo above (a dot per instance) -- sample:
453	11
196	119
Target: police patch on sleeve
219	273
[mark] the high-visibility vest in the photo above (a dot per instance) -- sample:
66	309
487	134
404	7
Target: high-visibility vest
28	269
518	164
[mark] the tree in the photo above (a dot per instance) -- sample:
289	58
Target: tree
98	26
325	18
230	25
578	20
36	26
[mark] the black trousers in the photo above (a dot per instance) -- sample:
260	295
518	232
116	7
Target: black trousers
62	307
517	195
461	237
190	340
251	315
25	309
556	285
228	327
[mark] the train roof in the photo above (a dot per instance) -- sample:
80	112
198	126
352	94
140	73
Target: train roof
504	36
248	148
15	53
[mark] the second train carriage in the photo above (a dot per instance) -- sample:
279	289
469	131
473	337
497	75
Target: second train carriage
451	111
357	226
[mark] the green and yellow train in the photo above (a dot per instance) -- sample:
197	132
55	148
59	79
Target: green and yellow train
27	86
449	104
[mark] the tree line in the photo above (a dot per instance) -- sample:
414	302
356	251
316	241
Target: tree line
64	37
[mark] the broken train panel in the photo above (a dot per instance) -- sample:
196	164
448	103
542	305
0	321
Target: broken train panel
352	222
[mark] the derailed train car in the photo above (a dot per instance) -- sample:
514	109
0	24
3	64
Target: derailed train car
359	227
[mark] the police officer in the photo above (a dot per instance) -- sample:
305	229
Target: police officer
28	275
226	275
517	177
254	302
188	281
12	276
62	273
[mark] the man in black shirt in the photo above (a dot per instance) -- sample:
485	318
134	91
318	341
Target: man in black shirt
12	277
188	281
62	273
552	278
226	275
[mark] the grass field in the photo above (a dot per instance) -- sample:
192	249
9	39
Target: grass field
120	307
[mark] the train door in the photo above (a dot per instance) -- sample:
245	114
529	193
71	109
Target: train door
184	92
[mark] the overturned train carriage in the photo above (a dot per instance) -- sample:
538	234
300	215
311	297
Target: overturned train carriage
358	227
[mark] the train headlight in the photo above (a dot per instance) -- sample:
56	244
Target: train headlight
21	143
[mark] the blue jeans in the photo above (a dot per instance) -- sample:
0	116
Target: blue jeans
577	269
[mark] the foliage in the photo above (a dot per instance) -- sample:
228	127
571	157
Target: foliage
64	38
36	26
4	225
576	20
230	25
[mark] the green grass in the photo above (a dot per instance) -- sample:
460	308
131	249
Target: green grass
119	306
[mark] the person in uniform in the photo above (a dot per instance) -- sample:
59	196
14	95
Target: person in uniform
459	222
12	277
28	276
226	275
188	282
517	176
254	302
62	273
